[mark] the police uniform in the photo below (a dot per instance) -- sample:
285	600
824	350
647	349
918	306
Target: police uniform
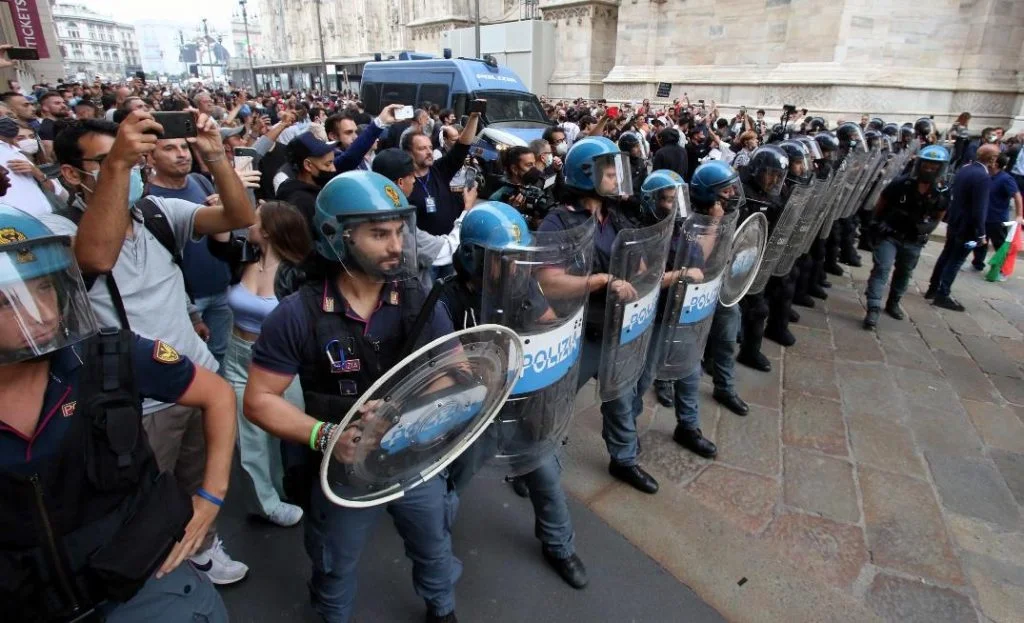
49	477
754	307
302	336
901	231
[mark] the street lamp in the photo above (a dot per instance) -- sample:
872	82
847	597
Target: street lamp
323	58
209	50
248	44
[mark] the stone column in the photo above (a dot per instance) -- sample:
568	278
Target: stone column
585	39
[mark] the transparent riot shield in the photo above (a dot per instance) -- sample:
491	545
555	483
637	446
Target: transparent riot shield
830	201
781	240
638	257
806	229
539	291
748	247
889	171
855	164
702	250
868	176
420	416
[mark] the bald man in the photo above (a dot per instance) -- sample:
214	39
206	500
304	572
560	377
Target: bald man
966	224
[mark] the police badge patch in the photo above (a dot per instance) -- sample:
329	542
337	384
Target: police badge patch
393	195
165	353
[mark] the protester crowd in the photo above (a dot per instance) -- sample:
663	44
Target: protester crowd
267	269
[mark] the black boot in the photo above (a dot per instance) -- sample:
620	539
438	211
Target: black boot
694	441
871	319
665	392
634	476
732	402
783	337
754	359
817	290
948	302
442	618
834	269
570	569
794	315
894	309
520	487
804	300
851	259
929	294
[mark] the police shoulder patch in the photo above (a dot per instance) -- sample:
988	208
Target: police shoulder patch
165	353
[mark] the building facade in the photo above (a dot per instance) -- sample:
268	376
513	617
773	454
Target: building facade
95	45
161	46
839	58
30	24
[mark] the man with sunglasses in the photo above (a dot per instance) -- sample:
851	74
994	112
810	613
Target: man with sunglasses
117	241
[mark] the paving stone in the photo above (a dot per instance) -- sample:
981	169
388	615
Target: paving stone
926	389
990	356
820	485
811	343
813	422
1011	466
827	550
967	378
999	426
815	318
905	528
1014	349
1010	310
921	312
760	388
983	538
945	431
856	344
585	459
1012	390
811	376
750	442
974	488
991	322
898	600
961	323
747	500
940	338
880	442
868	388
907	350
771	350
668	461
1000	587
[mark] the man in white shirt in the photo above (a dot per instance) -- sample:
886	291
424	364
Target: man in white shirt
24	192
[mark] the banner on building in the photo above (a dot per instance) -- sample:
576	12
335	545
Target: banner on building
27	24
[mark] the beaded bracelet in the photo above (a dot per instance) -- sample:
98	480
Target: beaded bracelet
325	435
314	435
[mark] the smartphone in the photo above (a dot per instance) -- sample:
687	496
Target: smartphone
479	106
243	163
403	113
23	54
179	124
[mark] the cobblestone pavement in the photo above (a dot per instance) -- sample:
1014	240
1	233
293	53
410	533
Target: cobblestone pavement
879	475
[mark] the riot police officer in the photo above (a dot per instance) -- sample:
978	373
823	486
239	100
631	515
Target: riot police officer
763	180
349	323
910	208
850	137
91	530
597	176
494	226
800	174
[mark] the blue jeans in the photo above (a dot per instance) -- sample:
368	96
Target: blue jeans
889	252
182	595
335	537
619	415
721	347
218	318
687	398
953	255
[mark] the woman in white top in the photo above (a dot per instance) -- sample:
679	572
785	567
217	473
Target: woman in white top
279	237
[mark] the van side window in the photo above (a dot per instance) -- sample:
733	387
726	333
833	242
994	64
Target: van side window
398	94
370	94
433	93
460	103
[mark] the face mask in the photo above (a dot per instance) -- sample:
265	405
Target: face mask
532	176
135	185
548	159
28	147
562	148
323	177
993	138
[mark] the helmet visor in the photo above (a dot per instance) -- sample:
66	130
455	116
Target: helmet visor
613	176
929	170
43	302
771	180
672	201
801	170
814	149
382	249
730	195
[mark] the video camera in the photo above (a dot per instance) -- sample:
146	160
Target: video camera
537	202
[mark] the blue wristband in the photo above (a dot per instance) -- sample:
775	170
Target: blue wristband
209	497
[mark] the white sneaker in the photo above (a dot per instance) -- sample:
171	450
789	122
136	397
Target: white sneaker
218	565
285	515
1002	277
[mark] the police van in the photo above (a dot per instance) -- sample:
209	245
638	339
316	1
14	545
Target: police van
514	115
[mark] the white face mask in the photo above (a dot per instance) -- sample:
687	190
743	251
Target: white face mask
28	147
548	159
562	148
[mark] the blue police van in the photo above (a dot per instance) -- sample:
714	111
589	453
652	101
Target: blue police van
454	83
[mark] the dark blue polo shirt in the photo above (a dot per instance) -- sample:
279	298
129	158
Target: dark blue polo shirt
288	336
154	379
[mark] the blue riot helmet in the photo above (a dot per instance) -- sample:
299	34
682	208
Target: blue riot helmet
595	165
44	305
491	225
663	194
931	164
716	182
851	137
768	168
364	222
801	168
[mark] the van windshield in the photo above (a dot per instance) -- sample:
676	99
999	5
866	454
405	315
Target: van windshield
505	106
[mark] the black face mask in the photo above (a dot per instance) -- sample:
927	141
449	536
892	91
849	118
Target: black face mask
531	177
322	177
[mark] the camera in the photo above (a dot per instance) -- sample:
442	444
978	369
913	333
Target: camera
536	201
